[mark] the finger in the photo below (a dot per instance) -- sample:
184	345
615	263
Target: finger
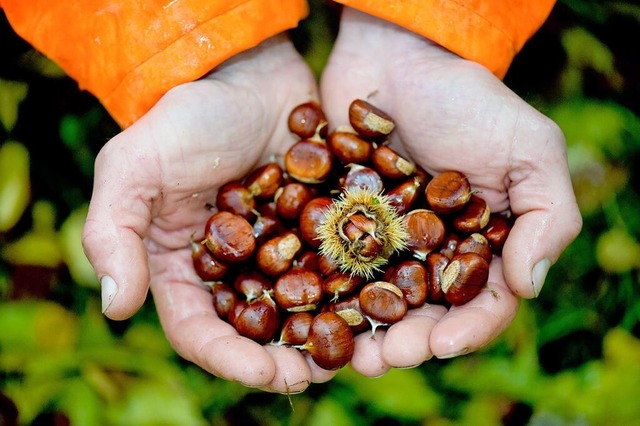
367	356
406	343
548	219
319	374
194	330
112	236
292	374
468	327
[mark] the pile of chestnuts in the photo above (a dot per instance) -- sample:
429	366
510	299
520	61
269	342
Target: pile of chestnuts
344	237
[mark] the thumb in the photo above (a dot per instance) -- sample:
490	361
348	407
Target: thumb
548	220
112	237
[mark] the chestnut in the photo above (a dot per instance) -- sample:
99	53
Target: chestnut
229	237
390	164
464	277
265	180
411	277
276	255
404	195
475	243
349	309
448	192
205	264
436	262
259	320
362	177
348	147
291	199
309	161
339	284
224	299
330	342
473	217
252	284
383	303
311	216
307	119
295	329
369	121
298	290
497	231
426	232
234	197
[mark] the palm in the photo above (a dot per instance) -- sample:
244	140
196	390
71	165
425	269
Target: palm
452	114
153	183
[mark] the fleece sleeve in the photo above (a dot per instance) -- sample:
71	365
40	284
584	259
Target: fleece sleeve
490	32
128	53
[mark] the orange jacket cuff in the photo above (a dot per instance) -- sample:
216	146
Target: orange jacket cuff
128	53
490	32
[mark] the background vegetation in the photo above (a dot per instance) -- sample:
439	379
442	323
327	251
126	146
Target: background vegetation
572	357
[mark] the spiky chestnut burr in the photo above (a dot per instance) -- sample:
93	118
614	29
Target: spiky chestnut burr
360	231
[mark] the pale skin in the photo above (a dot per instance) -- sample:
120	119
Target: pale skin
153	180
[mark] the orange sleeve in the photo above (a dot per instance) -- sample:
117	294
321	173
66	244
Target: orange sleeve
128	53
490	32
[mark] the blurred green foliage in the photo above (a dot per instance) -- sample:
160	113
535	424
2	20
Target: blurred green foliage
571	357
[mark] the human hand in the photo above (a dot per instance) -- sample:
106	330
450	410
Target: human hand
152	183
452	114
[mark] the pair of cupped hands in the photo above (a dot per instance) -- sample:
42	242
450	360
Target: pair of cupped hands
153	180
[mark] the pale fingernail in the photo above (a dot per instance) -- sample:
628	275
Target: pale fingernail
539	274
462	351
109	291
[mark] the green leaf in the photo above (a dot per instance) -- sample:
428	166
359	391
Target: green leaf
15	183
387	396
12	93
71	242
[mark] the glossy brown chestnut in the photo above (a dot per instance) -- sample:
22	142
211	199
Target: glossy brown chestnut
295	329
307	119
235	198
475	243
206	266
449	244
309	161
464	278
229	237
308	259
348	147
349	309
339	284
276	255
265	180
497	231
291	199
426	232
298	290
411	277
224	299
448	192
383	303
473	217
259	320
369	121
252	284
330	342
362	177
390	164
267	226
404	195
311	216
436	262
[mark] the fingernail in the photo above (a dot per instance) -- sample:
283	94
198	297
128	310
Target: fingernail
462	351
109	291
539	274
